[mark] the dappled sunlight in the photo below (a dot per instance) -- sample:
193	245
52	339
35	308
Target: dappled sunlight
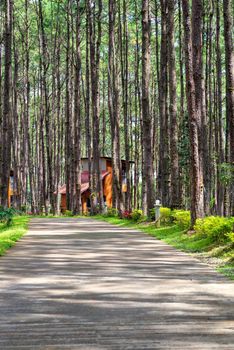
78	284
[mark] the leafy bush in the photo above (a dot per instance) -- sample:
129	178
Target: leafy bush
214	226
136	215
231	236
6	215
165	215
182	218
126	214
152	214
23	208
111	212
68	213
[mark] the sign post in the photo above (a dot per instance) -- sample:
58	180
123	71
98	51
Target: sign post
157	212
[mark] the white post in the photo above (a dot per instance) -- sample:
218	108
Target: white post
157	212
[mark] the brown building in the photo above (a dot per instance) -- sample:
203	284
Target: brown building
11	191
107	177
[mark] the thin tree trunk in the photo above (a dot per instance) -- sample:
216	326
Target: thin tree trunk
6	123
220	151
77	117
175	202
229	60
148	200
163	174
46	106
113	104
197	206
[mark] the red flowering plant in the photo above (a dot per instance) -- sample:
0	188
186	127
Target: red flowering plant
126	214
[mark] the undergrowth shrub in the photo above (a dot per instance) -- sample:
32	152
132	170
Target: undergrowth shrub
182	218
231	236
136	215
165	215
152	214
215	227
111	212
127	214
6	215
68	213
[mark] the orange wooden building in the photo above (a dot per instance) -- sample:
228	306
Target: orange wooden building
11	191
107	178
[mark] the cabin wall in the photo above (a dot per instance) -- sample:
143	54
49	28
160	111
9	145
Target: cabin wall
107	184
63	203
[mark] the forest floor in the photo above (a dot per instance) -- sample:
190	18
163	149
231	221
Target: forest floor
218	255
75	283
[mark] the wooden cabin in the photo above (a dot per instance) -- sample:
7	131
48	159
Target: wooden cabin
107	179
11	191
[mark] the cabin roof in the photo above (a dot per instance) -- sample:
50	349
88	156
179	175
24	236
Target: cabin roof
84	182
109	158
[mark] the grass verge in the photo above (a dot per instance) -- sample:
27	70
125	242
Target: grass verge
10	234
219	255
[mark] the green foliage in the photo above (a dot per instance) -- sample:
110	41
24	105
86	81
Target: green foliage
10	234
111	213
226	174
137	215
165	215
23	208
68	213
182	218
6	215
231	236
152	214
215	227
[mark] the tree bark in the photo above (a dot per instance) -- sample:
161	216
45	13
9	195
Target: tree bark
148	200
163	172
175	202
197	199
6	122
77	117
113	105
229	61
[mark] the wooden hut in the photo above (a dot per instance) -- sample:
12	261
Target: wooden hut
107	179
11	191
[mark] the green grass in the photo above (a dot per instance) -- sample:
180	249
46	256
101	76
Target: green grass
194	244
10	234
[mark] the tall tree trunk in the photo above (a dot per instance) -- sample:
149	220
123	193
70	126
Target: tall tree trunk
46	106
27	111
197	14
197	199
113	104
148	200
175	202
125	73
6	122
163	173
77	117
220	151
229	60
94	70
68	141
